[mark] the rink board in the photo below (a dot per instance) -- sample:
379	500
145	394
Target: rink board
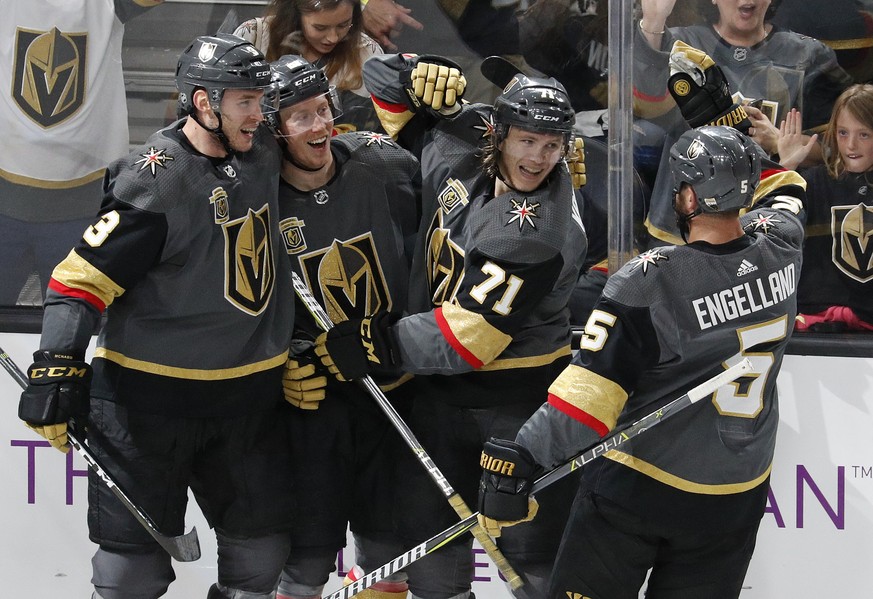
814	538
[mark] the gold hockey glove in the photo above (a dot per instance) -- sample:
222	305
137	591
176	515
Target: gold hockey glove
700	89
304	387
436	83
576	163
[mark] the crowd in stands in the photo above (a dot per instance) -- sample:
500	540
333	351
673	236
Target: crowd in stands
802	74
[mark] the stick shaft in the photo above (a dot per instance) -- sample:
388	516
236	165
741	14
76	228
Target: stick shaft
324	322
593	452
183	548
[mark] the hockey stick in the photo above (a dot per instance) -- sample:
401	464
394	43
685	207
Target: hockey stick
702	390
498	70
183	548
368	384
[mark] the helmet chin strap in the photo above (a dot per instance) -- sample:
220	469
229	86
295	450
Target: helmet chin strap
290	158
218	132
682	220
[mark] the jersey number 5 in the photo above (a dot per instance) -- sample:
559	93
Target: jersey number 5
745	396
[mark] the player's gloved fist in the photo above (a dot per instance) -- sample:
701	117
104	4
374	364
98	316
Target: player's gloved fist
359	346
576	163
304	384
700	89
437	83
59	385
509	470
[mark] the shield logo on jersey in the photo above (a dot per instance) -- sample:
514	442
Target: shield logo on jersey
349	278
292	235
852	233
445	263
249	262
48	82
452	195
218	199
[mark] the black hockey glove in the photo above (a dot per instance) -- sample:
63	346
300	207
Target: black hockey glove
59	385
359	346
700	89
435	83
509	470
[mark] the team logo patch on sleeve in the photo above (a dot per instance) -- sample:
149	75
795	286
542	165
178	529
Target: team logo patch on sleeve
292	234
487	126
451	196
154	158
647	259
523	213
762	222
377	138
49	74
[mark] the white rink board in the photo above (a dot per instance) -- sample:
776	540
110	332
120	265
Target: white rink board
814	541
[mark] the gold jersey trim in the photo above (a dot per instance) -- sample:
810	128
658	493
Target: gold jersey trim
528	361
404	378
777	180
393	122
192	374
77	273
475	333
44	184
676	482
595	395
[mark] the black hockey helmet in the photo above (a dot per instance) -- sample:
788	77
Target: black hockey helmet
534	103
295	79
720	163
216	63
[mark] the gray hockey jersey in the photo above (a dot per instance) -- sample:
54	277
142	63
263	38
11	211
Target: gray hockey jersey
186	260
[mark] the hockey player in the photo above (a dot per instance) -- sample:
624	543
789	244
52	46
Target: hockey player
186	261
684	500
348	207
776	68
499	252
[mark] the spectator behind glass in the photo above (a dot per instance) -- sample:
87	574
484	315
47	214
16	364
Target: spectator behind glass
835	293
328	34
65	118
779	69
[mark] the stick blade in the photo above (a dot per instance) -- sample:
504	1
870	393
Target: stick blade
183	548
498	70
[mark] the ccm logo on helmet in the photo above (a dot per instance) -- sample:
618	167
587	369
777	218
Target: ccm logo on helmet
544	117
306	79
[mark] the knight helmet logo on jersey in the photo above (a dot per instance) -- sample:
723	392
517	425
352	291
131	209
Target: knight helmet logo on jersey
48	81
852	231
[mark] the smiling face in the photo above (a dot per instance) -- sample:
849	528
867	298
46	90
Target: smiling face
307	127
854	142
324	29
528	157
240	116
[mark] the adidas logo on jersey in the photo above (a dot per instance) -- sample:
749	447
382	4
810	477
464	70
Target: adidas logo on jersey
745	268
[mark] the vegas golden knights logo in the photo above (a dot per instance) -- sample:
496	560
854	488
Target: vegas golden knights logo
349	278
292	234
249	261
445	262
852	231
48	83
